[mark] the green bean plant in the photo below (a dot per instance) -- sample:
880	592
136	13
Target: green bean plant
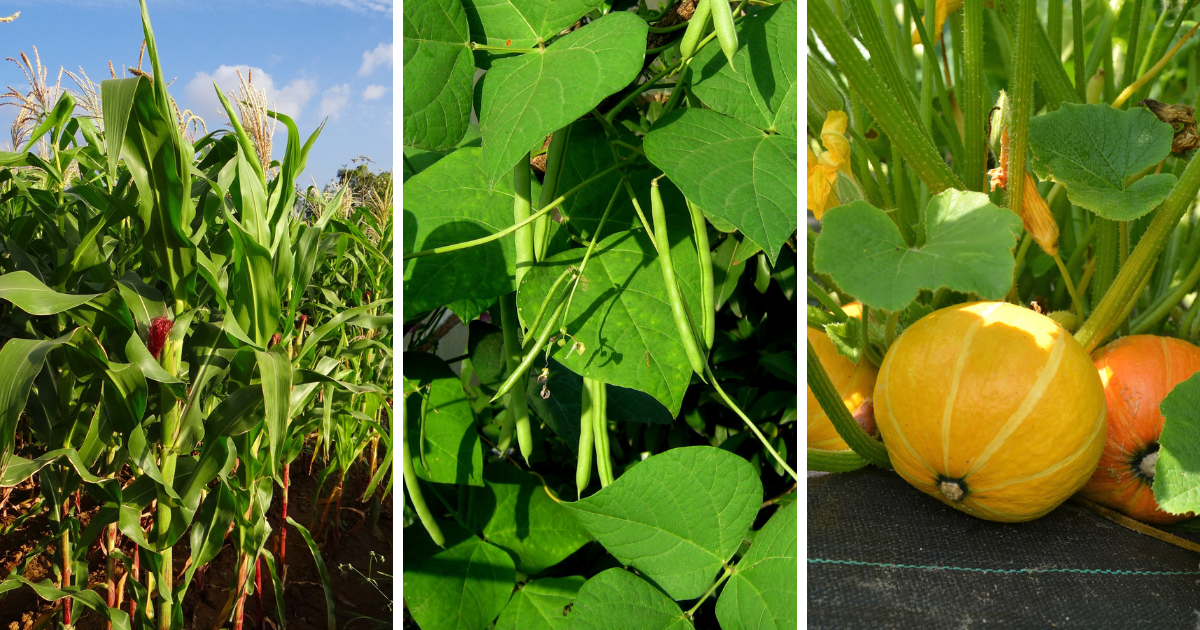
599	396
1002	153
178	323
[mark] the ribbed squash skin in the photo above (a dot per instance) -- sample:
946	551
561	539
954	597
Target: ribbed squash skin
853	382
995	401
1137	373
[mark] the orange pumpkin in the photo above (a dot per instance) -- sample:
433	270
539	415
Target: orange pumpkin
853	382
1137	372
991	408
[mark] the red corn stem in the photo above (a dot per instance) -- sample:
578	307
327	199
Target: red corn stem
65	549
110	569
241	591
258	589
337	515
283	526
137	564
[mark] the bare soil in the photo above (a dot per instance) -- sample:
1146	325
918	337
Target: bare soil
356	601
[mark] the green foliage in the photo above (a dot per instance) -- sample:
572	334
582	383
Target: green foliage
1093	151
967	248
177	325
596	107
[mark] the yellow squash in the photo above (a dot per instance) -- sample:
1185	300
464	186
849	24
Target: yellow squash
993	409
853	382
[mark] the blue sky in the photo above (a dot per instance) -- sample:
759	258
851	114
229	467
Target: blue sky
317	59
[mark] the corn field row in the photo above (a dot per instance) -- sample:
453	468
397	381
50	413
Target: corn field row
183	331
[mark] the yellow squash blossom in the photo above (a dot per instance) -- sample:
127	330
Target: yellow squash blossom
823	169
943	8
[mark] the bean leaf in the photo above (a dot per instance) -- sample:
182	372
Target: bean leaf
450	203
438	73
734	171
621	312
528	96
677	517
514	513
761	593
762	90
462	586
524	24
451	444
617	594
539	605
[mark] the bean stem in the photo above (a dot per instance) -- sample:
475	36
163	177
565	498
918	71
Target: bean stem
516	226
750	424
414	488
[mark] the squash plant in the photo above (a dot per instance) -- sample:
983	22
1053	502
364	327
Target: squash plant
989	154
617	238
177	322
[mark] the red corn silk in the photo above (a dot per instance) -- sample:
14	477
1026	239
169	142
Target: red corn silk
275	339
160	328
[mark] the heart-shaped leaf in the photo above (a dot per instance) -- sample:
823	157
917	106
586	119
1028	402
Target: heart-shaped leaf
514	513
761	593
461	587
762	92
732	170
1092	150
451	444
540	605
677	517
450	203
621	313
527	97
523	24
617	598
967	248
438	70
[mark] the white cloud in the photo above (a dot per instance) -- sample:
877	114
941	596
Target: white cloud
334	100
373	92
381	56
357	5
290	99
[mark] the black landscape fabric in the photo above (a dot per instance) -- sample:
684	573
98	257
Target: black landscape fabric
881	554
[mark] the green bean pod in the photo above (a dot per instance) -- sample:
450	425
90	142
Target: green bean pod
554	161
684	326
523	238
507	423
414	489
708	309
695	29
516	378
583	469
722	17
599	394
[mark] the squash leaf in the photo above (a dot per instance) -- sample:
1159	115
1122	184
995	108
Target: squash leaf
1093	150
967	248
